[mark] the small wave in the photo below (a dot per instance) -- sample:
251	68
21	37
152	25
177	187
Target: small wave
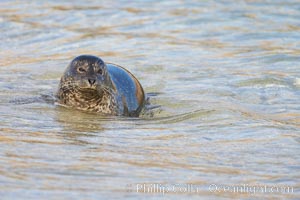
182	117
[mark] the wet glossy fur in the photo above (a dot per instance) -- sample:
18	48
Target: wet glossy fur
83	88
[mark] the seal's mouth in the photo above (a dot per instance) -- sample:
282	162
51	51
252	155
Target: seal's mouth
91	93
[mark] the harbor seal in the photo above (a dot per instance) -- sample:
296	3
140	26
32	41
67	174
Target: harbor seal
90	84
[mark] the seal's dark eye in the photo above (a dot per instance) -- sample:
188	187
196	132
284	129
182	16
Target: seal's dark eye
80	69
100	71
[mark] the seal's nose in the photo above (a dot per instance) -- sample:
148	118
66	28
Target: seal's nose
92	81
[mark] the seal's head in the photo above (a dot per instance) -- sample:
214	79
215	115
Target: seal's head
86	85
87	72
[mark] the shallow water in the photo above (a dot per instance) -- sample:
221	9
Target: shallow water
225	73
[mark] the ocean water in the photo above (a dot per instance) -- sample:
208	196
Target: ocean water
226	75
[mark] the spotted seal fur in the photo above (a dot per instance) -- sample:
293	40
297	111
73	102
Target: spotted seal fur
90	84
